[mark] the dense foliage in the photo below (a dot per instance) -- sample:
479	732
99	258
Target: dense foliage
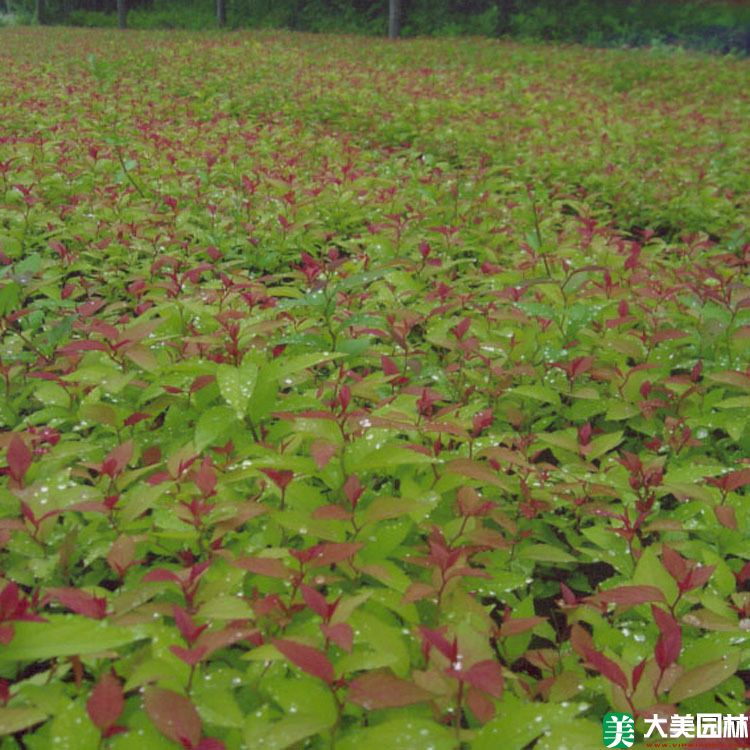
359	395
715	25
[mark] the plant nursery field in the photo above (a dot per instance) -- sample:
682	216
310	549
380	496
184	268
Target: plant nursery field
359	395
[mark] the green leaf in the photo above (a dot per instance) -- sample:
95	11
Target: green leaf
546	553
387	646
565	439
51	394
303	695
579	734
519	724
399	734
693	491
225	608
290	730
141	735
214	426
236	385
603	444
16	719
72	730
704	678
538	393
289	366
65	635
649	571
10	298
216	705
387	456
620	410
737	402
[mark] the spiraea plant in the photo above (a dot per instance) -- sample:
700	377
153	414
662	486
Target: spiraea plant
359	395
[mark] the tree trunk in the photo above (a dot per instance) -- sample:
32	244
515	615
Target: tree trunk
221	13
394	19
505	9
40	11
122	14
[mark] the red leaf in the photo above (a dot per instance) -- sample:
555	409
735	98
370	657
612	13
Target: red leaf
353	489
121	554
482	421
332	513
87	309
214	640
315	601
28	513
377	690
460	329
486	676
584	434
341	634
744	575
280	477
201	382
607	668
568	596
106	702
437	640
191	656
631	462
135	417
471	504
160	575
329	553
205	478
628	595
725	516
519	625
667	335
173	715
418	591
345	397
322	452
670	643
188	629
80	602
638	673
388	366
14	607
19	459
674	562
210	743
117	459
307	658
697	577
736	479
81	346
731	481
159	477
481	706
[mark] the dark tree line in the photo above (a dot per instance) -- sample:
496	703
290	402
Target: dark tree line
630	22
121	7
393	8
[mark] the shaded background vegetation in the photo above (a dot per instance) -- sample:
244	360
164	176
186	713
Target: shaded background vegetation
714	25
